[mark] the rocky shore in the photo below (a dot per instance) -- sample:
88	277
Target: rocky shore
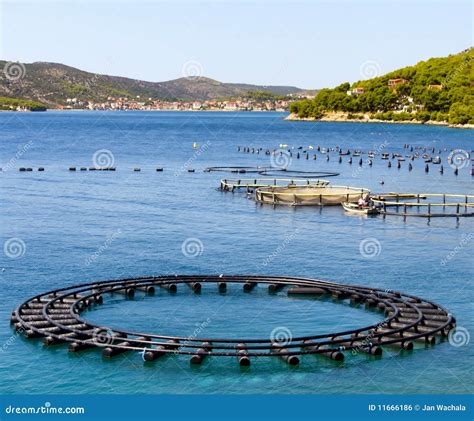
365	118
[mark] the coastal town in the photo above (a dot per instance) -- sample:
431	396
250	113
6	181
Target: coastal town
149	104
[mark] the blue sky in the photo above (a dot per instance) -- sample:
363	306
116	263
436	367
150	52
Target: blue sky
310	44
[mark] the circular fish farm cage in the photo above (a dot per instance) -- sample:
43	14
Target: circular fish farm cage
427	205
275	172
240	170
231	184
309	195
55	317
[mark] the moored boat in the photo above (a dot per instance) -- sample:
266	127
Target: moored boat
354	208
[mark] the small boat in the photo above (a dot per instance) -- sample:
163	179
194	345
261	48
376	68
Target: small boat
385	155
401	158
324	150
436	160
341	152
354	208
357	153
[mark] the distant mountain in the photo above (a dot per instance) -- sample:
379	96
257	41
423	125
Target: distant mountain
52	83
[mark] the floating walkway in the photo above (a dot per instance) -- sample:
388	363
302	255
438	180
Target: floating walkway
55	317
309	195
231	184
437	205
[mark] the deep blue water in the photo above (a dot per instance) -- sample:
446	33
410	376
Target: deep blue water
139	221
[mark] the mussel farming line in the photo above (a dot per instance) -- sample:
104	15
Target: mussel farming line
55	317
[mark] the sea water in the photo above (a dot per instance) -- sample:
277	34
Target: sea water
74	227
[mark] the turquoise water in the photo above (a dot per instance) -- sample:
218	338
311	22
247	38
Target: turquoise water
79	227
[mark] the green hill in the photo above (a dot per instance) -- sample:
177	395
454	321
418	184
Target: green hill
439	89
12	104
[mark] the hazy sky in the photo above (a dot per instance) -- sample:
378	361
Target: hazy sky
310	44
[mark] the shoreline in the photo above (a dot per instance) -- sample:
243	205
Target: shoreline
335	117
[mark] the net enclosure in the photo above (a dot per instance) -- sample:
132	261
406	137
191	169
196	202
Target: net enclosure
309	195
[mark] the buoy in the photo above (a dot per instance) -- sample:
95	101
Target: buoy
290	359
243	355
195	145
201	353
382	182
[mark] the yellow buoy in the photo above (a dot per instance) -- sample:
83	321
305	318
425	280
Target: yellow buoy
195	145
